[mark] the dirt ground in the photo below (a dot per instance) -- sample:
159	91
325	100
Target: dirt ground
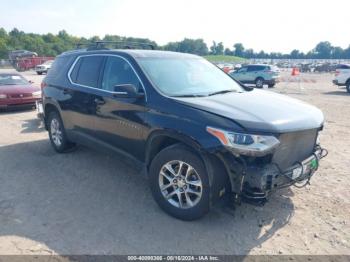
86	202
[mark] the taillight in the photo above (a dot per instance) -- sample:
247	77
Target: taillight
337	72
43	85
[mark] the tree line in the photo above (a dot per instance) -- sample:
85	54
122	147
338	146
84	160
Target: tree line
52	45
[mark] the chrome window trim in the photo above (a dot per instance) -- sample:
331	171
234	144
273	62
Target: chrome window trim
95	88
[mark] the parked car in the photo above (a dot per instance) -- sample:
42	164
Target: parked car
16	91
14	55
257	74
306	67
325	67
43	68
342	76
199	135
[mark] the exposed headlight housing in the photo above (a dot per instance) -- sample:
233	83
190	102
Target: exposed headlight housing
245	144
36	94
2	96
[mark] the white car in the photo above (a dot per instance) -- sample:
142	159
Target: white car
43	68
342	76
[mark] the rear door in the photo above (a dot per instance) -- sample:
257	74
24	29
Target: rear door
81	105
120	121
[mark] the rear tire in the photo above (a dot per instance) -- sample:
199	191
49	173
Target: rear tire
57	133
259	82
271	85
348	86
39	73
184	179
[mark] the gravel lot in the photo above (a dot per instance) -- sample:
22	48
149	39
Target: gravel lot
86	202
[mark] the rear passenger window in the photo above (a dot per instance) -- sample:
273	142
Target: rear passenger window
119	72
88	71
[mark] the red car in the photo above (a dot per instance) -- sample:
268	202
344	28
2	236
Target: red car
15	90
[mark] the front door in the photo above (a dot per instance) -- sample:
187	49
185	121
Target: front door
241	75
120	121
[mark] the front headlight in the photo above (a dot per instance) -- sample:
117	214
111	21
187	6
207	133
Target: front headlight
2	96
36	94
245	144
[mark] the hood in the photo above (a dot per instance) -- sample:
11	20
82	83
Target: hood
14	89
43	65
261	110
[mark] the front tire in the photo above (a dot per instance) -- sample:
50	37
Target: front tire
39	73
348	86
57	133
179	183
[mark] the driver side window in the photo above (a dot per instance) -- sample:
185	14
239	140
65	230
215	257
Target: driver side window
118	72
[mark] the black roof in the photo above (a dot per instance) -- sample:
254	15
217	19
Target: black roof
136	53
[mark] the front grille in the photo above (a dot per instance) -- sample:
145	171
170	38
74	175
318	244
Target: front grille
20	95
294	147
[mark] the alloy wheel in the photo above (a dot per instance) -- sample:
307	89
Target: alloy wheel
56	132
180	184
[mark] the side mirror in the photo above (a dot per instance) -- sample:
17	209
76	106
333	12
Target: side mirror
126	91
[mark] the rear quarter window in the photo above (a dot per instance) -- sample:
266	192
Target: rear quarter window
57	73
57	66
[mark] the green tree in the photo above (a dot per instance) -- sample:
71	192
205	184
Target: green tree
323	50
192	46
228	51
217	49
238	49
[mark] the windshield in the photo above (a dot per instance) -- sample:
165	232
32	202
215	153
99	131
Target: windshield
187	76
12	80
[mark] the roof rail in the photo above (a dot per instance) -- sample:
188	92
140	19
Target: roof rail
102	45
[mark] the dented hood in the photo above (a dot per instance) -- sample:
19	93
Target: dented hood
260	110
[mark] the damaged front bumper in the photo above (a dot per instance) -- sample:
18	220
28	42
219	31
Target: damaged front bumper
254	183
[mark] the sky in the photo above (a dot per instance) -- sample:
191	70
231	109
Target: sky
269	25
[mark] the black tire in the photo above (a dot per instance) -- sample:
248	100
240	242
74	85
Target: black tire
180	152
65	144
348	86
259	82
39	73
271	85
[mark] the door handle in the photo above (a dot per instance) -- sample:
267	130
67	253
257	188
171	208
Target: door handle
99	101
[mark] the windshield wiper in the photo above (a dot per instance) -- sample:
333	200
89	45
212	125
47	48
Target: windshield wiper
221	92
189	95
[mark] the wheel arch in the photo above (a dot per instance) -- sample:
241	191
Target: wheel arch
48	108
159	140
259	77
218	176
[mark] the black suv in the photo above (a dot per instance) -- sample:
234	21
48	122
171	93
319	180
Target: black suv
199	134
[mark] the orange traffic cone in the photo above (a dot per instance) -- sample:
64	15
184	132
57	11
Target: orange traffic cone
295	71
